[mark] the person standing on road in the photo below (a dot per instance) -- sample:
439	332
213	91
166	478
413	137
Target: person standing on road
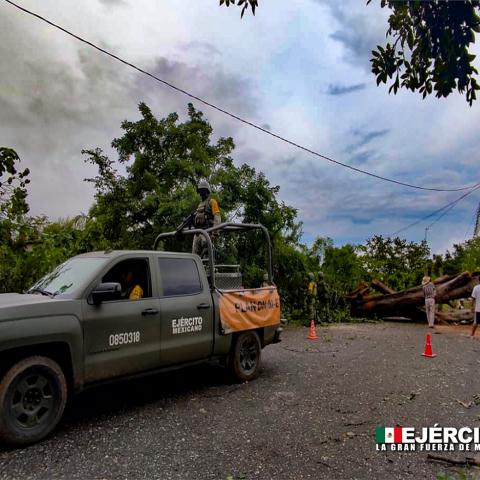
207	215
475	308
312	297
429	293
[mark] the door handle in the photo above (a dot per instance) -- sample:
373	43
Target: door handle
150	311
203	306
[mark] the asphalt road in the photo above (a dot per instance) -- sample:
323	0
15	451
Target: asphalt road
311	414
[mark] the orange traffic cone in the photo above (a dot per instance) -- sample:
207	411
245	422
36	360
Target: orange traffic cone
428	348
313	333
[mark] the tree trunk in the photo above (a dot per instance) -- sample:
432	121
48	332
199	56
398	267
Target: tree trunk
381	287
404	302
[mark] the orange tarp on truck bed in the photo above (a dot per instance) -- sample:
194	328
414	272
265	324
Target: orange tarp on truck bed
249	309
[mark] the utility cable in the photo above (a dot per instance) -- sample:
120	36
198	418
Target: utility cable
446	207
232	115
443	214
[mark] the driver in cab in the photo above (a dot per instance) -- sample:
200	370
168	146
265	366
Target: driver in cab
131	289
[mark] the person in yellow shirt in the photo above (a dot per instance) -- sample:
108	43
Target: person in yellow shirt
207	215
136	293
312	297
131	289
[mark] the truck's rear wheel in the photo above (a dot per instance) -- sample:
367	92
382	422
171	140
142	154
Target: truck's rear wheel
33	394
245	356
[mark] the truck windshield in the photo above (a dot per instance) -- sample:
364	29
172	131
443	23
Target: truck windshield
68	276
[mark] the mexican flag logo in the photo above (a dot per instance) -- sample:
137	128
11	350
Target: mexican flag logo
389	435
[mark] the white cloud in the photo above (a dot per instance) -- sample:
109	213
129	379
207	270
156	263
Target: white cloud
276	68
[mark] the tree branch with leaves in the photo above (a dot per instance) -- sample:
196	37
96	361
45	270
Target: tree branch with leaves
13	184
430	48
244	4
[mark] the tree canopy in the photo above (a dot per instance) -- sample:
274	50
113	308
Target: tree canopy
164	159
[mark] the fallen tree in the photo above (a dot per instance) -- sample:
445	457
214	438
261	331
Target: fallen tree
409	303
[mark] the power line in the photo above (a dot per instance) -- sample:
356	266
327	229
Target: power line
443	214
446	207
232	115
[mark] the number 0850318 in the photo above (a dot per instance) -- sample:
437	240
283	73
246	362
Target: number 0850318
123	338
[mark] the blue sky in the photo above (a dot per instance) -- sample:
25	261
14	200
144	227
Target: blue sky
301	68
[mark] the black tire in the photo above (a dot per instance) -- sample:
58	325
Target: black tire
245	356
33	394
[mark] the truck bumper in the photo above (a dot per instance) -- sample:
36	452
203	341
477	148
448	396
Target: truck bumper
279	330
276	337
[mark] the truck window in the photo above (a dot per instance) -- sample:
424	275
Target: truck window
69	276
179	276
134	277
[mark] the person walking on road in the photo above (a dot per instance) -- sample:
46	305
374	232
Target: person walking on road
475	308
429	293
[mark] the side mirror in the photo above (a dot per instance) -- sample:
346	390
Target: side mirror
106	291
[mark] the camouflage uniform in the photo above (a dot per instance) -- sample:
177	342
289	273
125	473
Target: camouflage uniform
207	215
312	298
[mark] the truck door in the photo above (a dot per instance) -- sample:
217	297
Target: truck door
123	336
186	311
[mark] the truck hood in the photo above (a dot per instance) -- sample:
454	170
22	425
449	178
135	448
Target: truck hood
17	299
15	306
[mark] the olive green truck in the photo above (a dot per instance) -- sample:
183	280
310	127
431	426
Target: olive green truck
81	325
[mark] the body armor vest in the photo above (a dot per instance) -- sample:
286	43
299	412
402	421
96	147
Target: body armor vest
203	215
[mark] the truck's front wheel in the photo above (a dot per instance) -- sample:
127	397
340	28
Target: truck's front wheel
33	394
245	356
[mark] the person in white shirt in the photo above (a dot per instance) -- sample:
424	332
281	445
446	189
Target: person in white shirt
475	308
429	293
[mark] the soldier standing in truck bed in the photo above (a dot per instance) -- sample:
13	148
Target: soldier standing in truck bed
207	215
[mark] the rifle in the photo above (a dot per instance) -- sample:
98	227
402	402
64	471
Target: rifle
188	222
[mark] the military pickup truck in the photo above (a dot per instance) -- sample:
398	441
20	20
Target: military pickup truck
118	314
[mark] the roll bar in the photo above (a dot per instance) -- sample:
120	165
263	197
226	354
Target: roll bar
227	227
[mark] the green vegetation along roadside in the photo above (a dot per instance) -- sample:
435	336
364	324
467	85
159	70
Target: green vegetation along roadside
163	159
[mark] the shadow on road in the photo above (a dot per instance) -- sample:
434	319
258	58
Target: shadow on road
128	395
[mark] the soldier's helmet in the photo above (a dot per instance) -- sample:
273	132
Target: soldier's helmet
203	185
311	276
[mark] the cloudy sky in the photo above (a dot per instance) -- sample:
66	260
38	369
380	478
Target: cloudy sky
300	68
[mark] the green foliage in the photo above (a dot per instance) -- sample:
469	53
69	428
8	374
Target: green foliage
430	47
394	261
13	184
465	257
342	271
342	267
164	160
291	272
244	4
34	246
